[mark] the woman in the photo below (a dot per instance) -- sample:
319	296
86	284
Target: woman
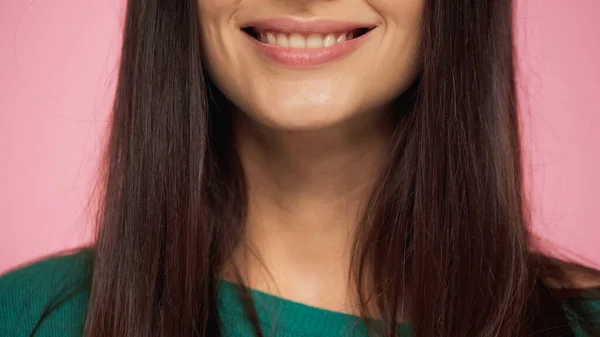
310	168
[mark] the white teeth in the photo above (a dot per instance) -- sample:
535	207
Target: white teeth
299	41
314	41
282	40
329	40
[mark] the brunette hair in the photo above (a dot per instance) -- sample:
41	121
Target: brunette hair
446	223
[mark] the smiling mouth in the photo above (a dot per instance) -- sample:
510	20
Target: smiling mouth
302	40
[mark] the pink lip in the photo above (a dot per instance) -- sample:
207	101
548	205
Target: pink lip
306	57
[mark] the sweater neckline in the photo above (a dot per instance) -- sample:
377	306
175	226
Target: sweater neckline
277	315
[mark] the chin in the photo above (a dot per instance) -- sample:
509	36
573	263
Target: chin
298	118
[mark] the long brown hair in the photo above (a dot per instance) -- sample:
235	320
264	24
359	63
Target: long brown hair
447	222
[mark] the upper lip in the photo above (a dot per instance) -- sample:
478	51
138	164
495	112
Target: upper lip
288	25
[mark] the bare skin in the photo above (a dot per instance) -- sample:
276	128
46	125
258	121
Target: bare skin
306	193
310	139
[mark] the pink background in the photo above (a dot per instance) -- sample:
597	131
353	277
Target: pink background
57	75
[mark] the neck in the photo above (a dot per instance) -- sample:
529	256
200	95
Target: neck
306	194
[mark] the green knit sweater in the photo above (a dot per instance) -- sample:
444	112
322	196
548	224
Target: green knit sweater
27	294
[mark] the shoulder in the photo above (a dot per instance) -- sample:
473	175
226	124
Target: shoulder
583	311
46	298
581	301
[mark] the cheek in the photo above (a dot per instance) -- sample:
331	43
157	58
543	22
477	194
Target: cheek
399	60
399	9
215	19
217	44
403	20
213	7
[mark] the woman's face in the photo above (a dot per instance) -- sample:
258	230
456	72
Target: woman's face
307	64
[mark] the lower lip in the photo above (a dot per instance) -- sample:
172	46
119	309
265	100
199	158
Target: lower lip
308	57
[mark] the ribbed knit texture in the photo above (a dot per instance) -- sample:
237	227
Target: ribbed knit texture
49	298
